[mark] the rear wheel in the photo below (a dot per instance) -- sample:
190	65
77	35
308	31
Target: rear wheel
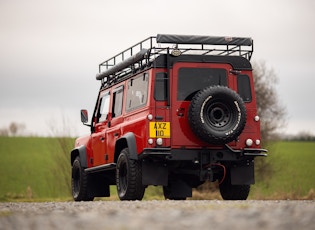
79	182
129	177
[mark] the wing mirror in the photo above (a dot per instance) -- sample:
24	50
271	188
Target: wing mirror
84	116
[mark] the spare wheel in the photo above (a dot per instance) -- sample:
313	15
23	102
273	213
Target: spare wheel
217	115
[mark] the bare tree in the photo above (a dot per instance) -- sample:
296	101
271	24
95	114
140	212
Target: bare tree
13	129
271	111
4	132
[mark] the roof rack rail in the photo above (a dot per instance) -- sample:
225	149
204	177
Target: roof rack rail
144	52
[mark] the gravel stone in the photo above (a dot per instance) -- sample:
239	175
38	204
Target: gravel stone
175	215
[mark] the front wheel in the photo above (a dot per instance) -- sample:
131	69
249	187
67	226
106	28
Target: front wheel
129	177
79	182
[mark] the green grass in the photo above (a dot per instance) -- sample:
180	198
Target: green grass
34	168
293	171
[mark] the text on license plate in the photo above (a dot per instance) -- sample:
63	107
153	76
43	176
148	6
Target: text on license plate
160	129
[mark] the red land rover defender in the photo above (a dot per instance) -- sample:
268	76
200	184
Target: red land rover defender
174	111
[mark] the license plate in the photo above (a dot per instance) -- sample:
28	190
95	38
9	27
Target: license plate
160	129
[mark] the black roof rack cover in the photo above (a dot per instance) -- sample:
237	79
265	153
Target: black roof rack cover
208	40
129	61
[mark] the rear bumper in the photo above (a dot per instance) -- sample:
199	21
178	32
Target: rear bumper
203	155
198	165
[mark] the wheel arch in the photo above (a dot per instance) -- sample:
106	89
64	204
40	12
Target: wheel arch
81	152
126	141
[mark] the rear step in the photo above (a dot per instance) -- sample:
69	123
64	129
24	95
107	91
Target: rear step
101	168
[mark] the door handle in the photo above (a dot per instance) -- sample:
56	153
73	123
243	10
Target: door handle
102	139
116	134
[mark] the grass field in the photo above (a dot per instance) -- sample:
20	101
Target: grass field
34	168
293	176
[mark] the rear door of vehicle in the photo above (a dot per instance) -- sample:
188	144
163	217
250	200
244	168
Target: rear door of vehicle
113	131
186	80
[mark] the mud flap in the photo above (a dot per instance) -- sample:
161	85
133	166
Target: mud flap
243	175
97	189
154	173
178	189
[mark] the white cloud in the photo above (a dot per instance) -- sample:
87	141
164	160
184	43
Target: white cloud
50	50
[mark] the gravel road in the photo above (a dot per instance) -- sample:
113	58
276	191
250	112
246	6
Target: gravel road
215	214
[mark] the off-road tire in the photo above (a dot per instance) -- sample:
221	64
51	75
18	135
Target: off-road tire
233	192
79	182
129	177
217	115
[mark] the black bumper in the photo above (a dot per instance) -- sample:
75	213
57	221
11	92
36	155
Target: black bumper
204	155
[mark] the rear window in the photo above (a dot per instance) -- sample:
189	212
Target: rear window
191	80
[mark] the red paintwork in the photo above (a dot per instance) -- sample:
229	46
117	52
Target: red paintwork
100	145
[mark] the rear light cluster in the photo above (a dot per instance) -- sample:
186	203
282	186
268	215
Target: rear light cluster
249	142
159	141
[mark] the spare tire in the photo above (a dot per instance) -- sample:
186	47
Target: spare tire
217	115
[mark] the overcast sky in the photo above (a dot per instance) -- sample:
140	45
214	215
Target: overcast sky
50	50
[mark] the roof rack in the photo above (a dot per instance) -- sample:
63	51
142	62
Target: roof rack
144	52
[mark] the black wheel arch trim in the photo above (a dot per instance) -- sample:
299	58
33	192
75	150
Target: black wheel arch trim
81	152
127	140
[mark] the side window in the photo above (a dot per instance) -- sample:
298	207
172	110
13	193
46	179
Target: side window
137	92
118	96
243	86
104	108
160	87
